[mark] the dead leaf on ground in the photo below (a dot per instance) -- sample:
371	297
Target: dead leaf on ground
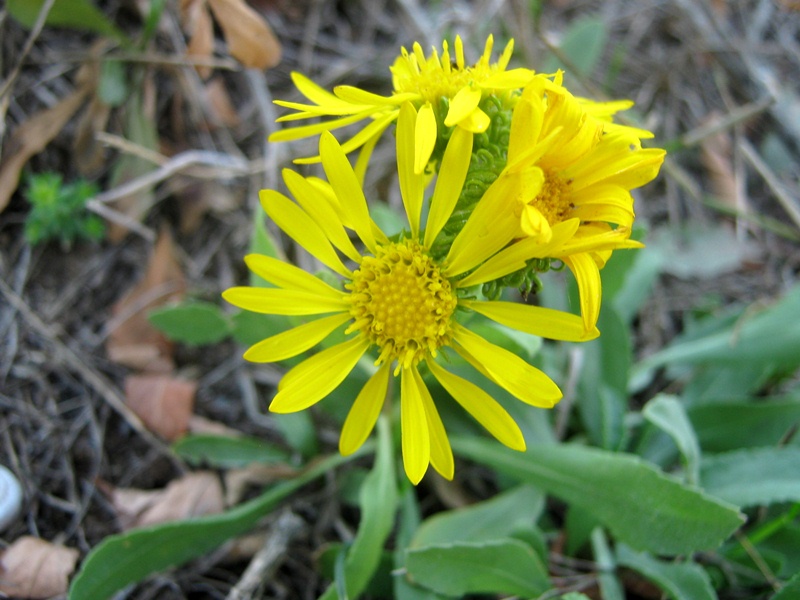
132	340
90	155
193	495
250	38
163	403
716	156
219	101
32	137
197	23
200	425
34	568
238	480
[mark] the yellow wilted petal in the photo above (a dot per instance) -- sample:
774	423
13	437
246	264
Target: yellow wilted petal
288	276
411	184
534	224
296	223
507	370
424	137
294	341
275	301
462	105
441	453
365	411
316	377
450	182
414	428
536	320
345	184
587	275
485	409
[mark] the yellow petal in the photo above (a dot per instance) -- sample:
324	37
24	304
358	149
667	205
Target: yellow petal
508	80
316	377
296	223
450	182
288	276
298	133
526	120
441	453
314	92
345	184
294	341
536	320
370	132
274	301
460	53
507	370
485	409
356	95
321	211
590	289
424	137
476	122
411	184
534	224
364	412
414	428
619	166
462	105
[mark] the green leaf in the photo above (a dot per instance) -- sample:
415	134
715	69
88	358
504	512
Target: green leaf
582	45
120	560
378	508
112	88
262	242
681	581
194	323
737	425
667	413
299	431
250	327
226	451
489	520
610	585
759	476
790	591
82	15
662	516
500	567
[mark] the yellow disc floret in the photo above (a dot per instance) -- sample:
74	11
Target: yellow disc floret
402	303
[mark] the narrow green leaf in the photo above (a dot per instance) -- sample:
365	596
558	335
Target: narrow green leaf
82	15
492	519
582	45
299	431
378	509
667	413
736	425
500	567
120	560
662	516
226	451
610	585
759	476
194	323
681	581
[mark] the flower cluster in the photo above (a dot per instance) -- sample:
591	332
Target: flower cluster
526	175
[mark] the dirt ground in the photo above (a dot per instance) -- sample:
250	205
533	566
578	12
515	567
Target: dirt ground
716	81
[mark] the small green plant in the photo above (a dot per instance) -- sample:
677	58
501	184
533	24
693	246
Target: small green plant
58	210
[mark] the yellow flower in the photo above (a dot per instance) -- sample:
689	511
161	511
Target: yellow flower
398	301
434	85
590	165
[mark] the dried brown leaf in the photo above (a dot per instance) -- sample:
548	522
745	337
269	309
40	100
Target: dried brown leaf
34	568
32	137
219	100
90	155
192	495
197	22
201	425
163	403
132	340
716	157
250	38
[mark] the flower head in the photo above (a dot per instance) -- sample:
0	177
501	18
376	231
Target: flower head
445	90
398	301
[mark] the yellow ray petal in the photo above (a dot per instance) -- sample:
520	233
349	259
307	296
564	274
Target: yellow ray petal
274	301
424	137
462	105
508	80
441	453
485	409
298	133
609	240
411	183
590	289
314	92
476	122
536	320
460	53
450	182
288	276
505	57
321	211
625	168
535	225
507	370
296	223
294	341
345	184
371	131
364	412
414	428
355	95
316	377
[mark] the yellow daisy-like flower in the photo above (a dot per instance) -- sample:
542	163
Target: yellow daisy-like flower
398	300
432	84
590	166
